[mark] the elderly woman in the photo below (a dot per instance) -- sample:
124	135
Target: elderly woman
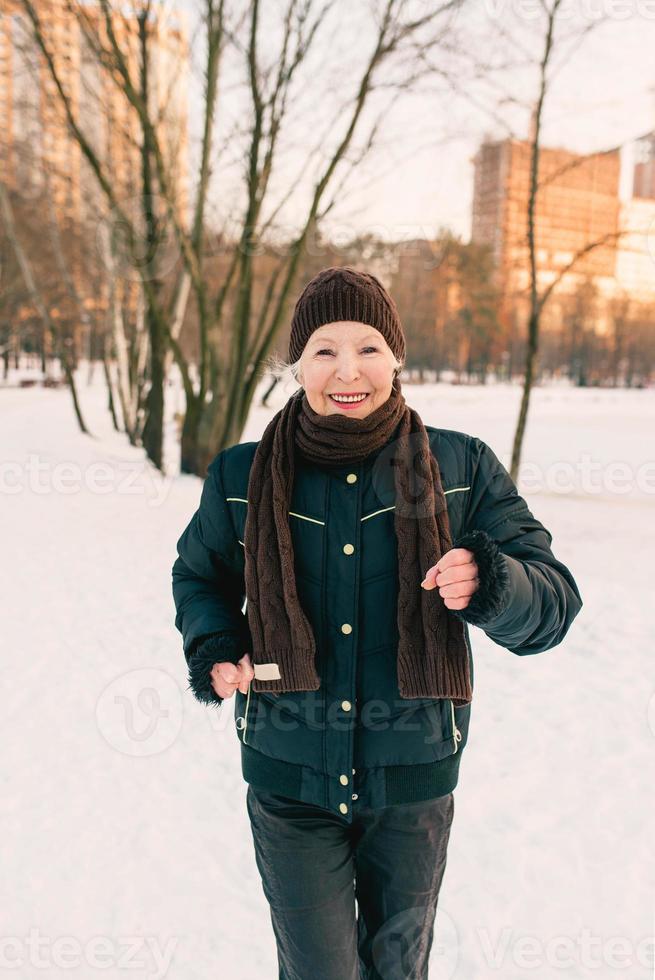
361	543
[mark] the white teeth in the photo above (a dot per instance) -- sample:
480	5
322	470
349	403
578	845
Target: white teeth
349	398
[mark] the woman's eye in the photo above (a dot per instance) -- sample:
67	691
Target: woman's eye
373	349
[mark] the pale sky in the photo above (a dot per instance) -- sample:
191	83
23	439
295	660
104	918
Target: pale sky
603	94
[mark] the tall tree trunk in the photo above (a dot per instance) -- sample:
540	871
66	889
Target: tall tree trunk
48	326
127	378
535	300
527	388
153	430
190	462
110	386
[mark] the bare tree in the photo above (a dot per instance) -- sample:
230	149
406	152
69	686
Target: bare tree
39	304
253	331
578	319
125	56
235	333
538	300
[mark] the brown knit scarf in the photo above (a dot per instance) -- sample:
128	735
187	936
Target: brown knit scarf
432	654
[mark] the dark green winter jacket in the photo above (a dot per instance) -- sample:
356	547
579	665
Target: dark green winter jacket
355	737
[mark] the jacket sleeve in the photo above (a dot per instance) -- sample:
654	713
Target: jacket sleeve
208	589
527	598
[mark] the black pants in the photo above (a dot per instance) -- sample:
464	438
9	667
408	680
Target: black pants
313	867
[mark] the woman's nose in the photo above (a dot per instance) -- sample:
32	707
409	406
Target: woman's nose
347	369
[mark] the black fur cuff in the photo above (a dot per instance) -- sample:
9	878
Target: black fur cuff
492	594
215	648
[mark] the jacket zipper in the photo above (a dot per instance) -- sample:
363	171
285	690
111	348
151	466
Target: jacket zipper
457	735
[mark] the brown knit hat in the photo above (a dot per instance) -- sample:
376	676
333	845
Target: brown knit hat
343	293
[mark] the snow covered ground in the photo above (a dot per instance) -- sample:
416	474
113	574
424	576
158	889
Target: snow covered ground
125	842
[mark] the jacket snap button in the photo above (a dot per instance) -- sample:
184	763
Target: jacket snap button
353	772
351	478
343	808
346	628
348	549
346	705
355	796
343	779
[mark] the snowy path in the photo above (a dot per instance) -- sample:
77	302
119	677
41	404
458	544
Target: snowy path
125	841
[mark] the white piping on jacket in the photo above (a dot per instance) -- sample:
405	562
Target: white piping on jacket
303	517
366	517
314	520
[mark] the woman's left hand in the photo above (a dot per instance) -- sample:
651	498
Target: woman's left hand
456	576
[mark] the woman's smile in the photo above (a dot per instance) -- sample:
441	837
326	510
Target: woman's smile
349	401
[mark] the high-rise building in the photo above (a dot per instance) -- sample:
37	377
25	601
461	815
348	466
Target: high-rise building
635	255
42	160
643	179
577	206
36	141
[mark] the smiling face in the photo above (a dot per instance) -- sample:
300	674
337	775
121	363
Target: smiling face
346	358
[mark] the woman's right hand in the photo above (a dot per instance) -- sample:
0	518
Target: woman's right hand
226	677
